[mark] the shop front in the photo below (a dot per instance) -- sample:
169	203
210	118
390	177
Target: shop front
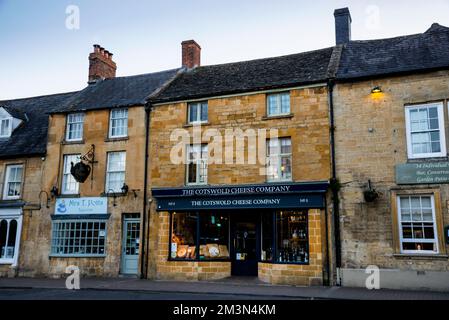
272	232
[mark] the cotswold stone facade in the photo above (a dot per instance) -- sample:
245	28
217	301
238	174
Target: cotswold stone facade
371	139
96	123
308	127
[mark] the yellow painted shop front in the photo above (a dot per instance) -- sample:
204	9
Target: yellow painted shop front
273	232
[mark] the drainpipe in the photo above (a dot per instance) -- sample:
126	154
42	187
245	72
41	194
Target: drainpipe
144	262
334	183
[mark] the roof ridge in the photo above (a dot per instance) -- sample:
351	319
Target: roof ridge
267	58
41	96
144	74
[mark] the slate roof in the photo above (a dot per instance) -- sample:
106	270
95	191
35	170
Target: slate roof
15	113
406	54
30	138
118	92
261	74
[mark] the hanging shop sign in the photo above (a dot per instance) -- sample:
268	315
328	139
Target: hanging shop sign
422	173
84	205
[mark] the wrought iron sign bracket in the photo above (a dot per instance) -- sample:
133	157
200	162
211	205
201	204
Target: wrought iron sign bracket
89	157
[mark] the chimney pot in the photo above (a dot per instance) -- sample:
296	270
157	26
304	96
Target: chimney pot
101	65
191	54
343	22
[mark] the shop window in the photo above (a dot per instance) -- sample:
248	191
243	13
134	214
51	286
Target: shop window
279	159
184	236
292	241
13	182
118	123
214	236
79	238
278	104
267	237
69	184
425	131
10	229
197	164
417	225
75	123
197	112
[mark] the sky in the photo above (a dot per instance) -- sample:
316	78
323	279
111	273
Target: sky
45	44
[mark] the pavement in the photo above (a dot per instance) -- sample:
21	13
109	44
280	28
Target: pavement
238	288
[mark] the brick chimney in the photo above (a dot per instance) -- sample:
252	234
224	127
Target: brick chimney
191	54
342	25
101	65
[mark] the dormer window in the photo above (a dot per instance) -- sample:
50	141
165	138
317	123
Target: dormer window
5	127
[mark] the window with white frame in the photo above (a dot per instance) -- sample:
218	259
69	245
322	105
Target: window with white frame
198	112
13	182
196	164
118	124
115	174
417	225
69	184
75	122
425	131
279	159
79	238
10	231
278	104
5	127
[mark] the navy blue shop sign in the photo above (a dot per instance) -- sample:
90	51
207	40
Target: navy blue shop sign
286	196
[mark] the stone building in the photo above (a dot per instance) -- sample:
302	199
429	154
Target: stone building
216	214
23	136
391	123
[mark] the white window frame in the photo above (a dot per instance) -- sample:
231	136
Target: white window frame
70	123
435	229
109	171
66	174
9	215
199	105
111	123
59	241
279	160
441	128
7	181
279	102
9	129
202	160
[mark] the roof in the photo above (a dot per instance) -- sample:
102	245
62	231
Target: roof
406	54
30	138
254	75
118	92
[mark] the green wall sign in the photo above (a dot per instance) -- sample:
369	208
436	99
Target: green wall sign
422	173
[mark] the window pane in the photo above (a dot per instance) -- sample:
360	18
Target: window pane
115	177
11	239
5	127
75	126
3	235
69	184
425	130
193	112
267	237
214	236
285	103
119	123
204	112
183	239
292	237
273	105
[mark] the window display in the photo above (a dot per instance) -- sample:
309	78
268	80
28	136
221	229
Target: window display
214	236
267	237
292	237
183	242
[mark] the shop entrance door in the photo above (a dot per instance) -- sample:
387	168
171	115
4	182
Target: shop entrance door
130	246
245	248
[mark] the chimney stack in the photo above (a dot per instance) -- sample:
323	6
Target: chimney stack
342	25
191	54
101	65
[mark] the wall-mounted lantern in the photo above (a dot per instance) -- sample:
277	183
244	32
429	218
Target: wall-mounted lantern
54	192
376	89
